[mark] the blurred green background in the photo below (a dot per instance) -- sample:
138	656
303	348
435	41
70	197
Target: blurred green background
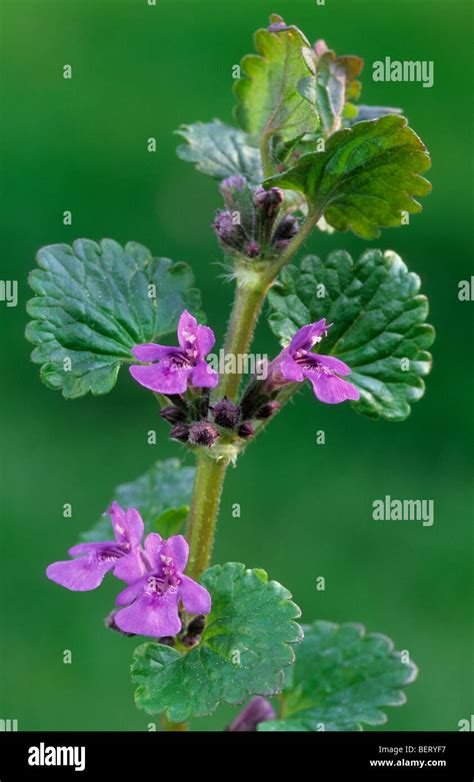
140	71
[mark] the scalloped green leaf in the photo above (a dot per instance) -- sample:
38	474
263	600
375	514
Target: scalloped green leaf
365	179
379	324
220	150
246	644
162	496
275	95
94	302
342	678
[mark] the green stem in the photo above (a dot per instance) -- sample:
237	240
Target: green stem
210	471
266	155
207	492
172	727
248	302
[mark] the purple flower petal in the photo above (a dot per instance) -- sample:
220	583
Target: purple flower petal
90	548
307	336
152	352
331	389
177	547
131	567
80	575
334	364
291	371
154	545
161	378
205	340
130	593
151	614
128	525
203	376
187	331
196	599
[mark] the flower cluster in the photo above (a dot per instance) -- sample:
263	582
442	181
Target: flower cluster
183	376
154	574
255	222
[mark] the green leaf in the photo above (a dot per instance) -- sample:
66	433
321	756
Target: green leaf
366	177
162	496
379	324
336	82
172	520
276	92
94	302
341	678
244	647
362	112
220	150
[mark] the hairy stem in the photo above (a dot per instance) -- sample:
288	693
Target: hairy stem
204	510
248	302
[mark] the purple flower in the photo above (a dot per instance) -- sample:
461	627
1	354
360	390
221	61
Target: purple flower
175	367
152	602
297	362
93	560
257	711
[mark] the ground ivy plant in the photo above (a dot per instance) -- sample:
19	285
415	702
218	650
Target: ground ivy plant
305	157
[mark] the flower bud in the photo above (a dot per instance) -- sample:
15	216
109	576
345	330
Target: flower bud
226	413
227	231
180	432
252	249
194	631
231	188
245	430
166	640
286	229
258	710
173	414
197	625
203	433
268	201
267	410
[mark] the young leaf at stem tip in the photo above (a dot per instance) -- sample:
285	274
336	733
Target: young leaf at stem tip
275	95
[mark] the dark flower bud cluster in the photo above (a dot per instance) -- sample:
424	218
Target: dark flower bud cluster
196	422
194	631
255	222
